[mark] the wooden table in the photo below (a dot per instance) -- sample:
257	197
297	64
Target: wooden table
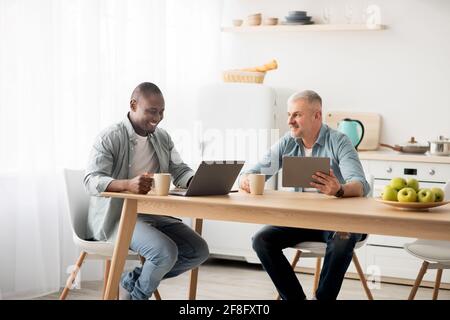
292	209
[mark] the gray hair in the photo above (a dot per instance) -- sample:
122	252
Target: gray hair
311	96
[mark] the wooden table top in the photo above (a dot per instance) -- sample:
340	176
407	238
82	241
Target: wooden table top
309	210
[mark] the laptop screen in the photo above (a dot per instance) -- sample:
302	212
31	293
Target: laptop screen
214	178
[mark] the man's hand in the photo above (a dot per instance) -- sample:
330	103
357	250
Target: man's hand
244	183
140	184
327	184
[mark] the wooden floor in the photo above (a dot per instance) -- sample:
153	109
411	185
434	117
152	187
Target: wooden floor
234	280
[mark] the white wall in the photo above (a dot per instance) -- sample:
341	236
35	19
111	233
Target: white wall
403	73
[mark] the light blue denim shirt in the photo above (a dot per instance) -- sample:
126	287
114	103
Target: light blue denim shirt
330	143
110	159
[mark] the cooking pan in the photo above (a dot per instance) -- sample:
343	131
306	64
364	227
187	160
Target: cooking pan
411	147
440	147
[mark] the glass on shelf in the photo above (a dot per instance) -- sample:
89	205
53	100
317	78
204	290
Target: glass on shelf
349	13
372	16
327	14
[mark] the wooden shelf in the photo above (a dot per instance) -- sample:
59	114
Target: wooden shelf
310	27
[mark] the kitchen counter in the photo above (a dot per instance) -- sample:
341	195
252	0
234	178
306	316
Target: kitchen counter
384	154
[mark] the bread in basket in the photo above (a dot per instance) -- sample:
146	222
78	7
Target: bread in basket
252	75
243	76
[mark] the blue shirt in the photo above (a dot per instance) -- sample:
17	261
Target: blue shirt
330	143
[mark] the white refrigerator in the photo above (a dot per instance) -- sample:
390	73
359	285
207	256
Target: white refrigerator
237	122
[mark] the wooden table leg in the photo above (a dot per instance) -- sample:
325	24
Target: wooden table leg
198	223
126	228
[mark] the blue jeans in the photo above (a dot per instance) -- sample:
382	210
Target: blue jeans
169	247
269	243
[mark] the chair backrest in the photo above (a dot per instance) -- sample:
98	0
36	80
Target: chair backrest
447	191
78	201
370	179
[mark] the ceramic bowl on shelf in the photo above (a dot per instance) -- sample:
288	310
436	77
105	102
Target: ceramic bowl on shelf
237	22
295	19
254	22
255	16
297	13
271	21
290	23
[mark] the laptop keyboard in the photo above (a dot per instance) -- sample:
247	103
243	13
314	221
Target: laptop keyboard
178	192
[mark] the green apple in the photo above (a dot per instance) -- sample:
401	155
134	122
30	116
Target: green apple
413	183
398	183
407	195
425	195
438	193
389	194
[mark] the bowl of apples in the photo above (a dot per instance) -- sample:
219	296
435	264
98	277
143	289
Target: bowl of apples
407	194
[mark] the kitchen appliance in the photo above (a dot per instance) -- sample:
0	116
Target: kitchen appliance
371	122
412	146
236	121
440	147
350	128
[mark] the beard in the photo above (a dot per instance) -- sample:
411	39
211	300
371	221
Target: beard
297	134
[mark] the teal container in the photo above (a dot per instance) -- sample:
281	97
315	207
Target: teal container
354	129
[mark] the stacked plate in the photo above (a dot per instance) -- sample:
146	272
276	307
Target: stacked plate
298	17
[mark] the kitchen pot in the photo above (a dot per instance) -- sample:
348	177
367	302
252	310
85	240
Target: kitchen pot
440	147
412	146
350	128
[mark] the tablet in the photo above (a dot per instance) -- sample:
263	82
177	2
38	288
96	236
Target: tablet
298	171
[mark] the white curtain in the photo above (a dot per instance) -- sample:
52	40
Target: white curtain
67	69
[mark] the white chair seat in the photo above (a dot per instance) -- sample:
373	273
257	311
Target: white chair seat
101	248
430	250
319	248
311	246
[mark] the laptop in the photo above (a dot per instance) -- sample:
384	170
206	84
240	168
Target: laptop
298	171
212	178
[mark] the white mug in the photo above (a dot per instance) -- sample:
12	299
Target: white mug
257	181
161	183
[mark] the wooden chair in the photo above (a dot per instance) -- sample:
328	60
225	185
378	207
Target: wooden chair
435	255
317	250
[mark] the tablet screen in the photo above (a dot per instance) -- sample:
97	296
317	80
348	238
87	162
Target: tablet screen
298	171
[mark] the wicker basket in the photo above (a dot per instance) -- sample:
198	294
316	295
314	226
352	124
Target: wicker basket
243	76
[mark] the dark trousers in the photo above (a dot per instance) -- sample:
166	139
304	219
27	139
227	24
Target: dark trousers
270	241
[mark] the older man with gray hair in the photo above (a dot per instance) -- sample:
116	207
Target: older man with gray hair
308	136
